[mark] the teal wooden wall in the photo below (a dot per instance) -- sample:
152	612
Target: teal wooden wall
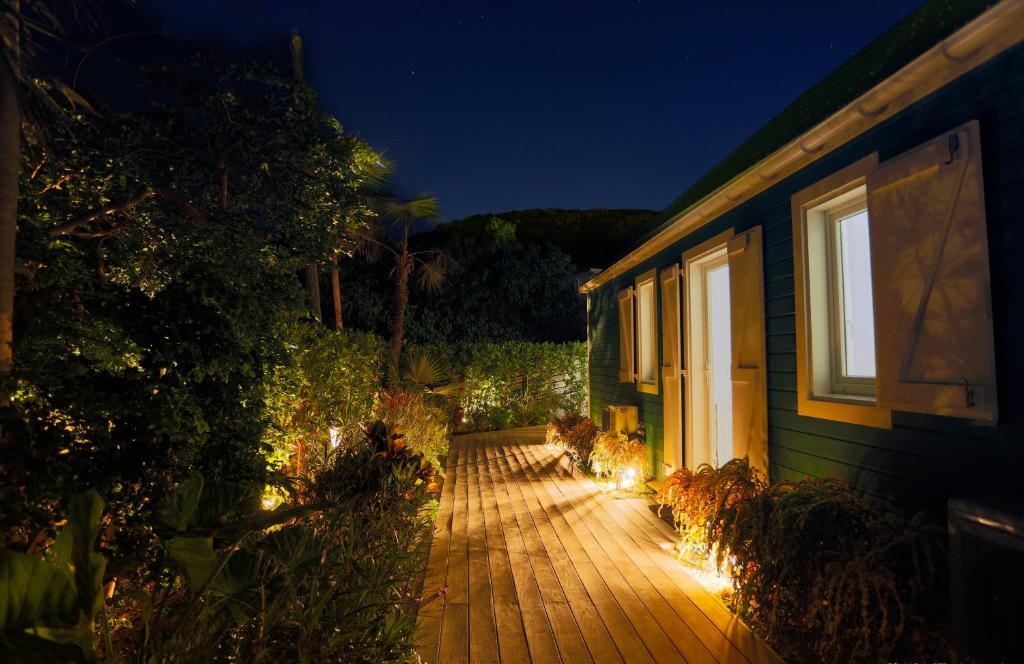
924	459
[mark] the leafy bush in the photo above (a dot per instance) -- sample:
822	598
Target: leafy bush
823	572
619	456
514	383
331	578
324	391
423	424
574	434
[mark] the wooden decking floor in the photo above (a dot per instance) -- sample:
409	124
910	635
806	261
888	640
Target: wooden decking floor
543	567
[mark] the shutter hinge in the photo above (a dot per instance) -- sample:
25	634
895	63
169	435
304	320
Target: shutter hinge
954	147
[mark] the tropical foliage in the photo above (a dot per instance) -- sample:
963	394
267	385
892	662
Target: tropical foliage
330	576
822	571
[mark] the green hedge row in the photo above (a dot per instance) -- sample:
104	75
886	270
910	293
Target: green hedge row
513	383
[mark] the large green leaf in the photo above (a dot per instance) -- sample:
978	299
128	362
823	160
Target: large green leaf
207	504
34	593
178	508
196	557
84	511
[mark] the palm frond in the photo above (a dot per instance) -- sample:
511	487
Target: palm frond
423	370
421	207
433	275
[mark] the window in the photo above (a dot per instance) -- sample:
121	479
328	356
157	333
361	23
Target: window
836	359
647	332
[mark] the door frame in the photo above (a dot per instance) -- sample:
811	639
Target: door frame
696	261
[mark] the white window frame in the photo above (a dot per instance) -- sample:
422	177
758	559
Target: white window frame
646	286
823	390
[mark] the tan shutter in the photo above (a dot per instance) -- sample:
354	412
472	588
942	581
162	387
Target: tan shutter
930	275
749	386
671	368
627	347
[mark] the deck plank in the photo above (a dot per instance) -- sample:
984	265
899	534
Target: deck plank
541	566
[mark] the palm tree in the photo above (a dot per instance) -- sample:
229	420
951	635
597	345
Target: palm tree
391	237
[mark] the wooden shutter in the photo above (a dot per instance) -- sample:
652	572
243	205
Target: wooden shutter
930	277
627	346
671	368
749	384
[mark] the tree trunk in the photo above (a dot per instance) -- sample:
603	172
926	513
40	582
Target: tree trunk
312	275
336	293
313	288
404	266
10	159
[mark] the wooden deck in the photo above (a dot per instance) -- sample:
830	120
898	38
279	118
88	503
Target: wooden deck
543	567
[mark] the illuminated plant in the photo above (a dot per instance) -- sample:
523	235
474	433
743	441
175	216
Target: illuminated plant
574	434
823	572
619	457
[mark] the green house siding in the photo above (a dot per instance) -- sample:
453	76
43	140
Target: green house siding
924	459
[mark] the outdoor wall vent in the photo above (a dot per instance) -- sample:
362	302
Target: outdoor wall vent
623	419
986	556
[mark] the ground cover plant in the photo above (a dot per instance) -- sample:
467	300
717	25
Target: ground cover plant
821	571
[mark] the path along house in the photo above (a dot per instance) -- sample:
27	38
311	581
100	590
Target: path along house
843	296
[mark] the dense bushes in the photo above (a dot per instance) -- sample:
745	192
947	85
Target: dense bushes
331	576
514	383
574	434
822	571
323	392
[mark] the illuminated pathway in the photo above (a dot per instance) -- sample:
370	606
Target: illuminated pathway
544	567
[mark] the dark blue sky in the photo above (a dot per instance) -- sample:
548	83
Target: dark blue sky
519	104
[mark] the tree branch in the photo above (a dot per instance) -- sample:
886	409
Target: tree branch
66	228
169	195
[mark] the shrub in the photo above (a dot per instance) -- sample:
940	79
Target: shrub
574	434
620	457
424	425
514	383
823	572
322	394
331	578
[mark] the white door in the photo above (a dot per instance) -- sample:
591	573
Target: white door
709	359
718	363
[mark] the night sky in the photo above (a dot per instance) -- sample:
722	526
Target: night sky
520	104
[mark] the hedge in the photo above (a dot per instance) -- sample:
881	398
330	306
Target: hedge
513	383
